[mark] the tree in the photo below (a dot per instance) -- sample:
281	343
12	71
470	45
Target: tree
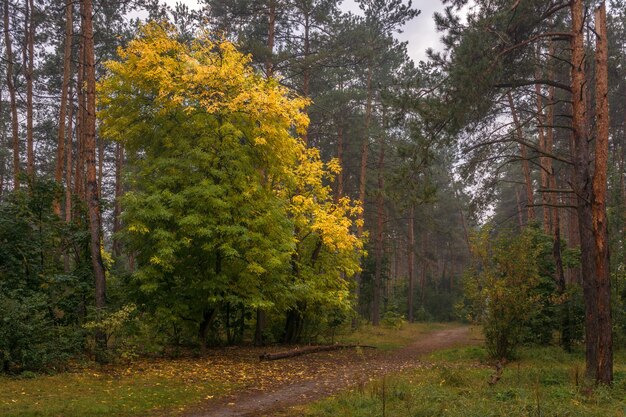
226	207
93	194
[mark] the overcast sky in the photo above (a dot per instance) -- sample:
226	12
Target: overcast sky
420	32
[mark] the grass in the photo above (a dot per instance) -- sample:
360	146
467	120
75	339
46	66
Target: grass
169	387
149	388
389	337
542	382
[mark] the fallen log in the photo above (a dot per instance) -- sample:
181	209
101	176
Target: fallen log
307	350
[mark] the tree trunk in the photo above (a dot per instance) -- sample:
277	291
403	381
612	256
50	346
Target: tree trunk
411	263
11	88
90	162
68	173
518	200
530	199
28	74
600	228
364	152
582	186
260	326
306	70
117	209
208	316
79	171
339	191
380	208
363	172
271	20
100	165
543	161
67	56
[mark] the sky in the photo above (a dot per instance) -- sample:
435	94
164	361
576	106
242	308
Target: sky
419	32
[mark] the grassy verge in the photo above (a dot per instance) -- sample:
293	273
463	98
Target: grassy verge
543	382
389	337
145	388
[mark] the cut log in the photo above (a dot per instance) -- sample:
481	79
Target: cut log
307	350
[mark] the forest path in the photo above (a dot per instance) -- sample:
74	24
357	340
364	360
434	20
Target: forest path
329	373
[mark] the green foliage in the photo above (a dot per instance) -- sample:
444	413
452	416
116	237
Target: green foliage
509	290
393	320
227	206
40	302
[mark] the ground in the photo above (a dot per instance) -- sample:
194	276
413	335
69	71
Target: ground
329	373
225	382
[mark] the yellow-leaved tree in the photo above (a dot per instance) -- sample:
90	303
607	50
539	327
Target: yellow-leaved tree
227	210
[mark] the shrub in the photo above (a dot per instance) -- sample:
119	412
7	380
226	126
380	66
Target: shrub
508	291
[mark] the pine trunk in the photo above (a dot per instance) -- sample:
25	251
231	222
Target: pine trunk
28	75
90	162
582	186
11	88
380	212
411	263
600	228
67	56
530	199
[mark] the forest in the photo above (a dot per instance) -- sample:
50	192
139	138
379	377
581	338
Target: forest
270	207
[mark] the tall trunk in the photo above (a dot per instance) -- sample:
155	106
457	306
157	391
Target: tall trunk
90	162
11	87
363	171
582	186
100	165
543	161
28	75
117	209
306	70
79	172
339	191
380	208
600	228
271	20
530	199
67	56
411	262
365	150
68	172
518	200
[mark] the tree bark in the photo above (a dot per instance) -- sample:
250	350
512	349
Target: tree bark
306	70
68	173
543	161
600	227
380	208
67	56
11	88
411	263
271	20
28	75
117	209
339	191
90	162
582	187
530	199
79	171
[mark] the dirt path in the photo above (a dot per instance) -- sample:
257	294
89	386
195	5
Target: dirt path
331	372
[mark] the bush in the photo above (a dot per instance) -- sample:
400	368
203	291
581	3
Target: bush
509	290
41	304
